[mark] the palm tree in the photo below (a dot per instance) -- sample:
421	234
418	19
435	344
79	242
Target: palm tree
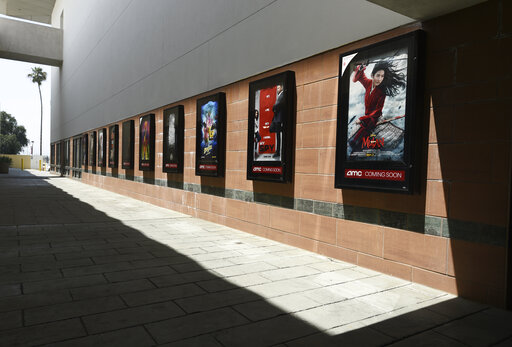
38	76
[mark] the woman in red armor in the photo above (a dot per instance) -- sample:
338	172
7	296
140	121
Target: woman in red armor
385	81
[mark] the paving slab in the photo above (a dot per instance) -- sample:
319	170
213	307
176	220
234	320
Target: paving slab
130	337
480	329
82	266
203	341
115	320
355	335
278	329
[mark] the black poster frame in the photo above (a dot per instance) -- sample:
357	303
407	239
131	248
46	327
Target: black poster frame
262	165
128	144
58	150
147	161
211	166
370	165
102	150
59	153
85	147
52	153
92	148
66	152
173	162
77	151
113	146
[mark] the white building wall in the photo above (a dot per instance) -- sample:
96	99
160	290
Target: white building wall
125	57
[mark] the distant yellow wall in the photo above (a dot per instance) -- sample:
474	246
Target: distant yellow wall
16	160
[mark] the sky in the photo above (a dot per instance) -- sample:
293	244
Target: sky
20	98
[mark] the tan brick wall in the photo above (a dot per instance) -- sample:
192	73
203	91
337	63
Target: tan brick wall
466	177
469	140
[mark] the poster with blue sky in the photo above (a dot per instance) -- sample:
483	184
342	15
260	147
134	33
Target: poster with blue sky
210	135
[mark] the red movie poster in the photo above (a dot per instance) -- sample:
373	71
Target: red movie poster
264	102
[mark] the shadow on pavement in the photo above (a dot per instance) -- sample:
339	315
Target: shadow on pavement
72	275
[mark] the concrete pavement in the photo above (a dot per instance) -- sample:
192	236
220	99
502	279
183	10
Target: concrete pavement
82	266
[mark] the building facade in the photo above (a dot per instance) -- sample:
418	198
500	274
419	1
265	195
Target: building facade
123	60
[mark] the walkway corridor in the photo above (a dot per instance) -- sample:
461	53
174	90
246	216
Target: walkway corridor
80	266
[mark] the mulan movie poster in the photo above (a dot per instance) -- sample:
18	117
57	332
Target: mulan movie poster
378	109
377	103
271	124
147	142
102	141
173	139
210	135
113	145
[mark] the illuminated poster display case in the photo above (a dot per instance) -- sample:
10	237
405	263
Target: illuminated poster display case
271	128
147	142
52	154
128	142
66	153
378	137
92	148
102	145
77	152
113	146
174	125
85	147
58	150
211	135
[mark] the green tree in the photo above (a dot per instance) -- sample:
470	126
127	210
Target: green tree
38	76
13	137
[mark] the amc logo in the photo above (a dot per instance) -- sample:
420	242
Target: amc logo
353	173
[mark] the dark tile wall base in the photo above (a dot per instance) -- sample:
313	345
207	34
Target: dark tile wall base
431	225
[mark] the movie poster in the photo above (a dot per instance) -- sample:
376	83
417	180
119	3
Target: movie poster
271	123
210	134
102	141
77	152
85	146
377	103
209	119
66	152
128	144
376	115
92	148
57	153
147	142
173	139
52	154
113	145
267	127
